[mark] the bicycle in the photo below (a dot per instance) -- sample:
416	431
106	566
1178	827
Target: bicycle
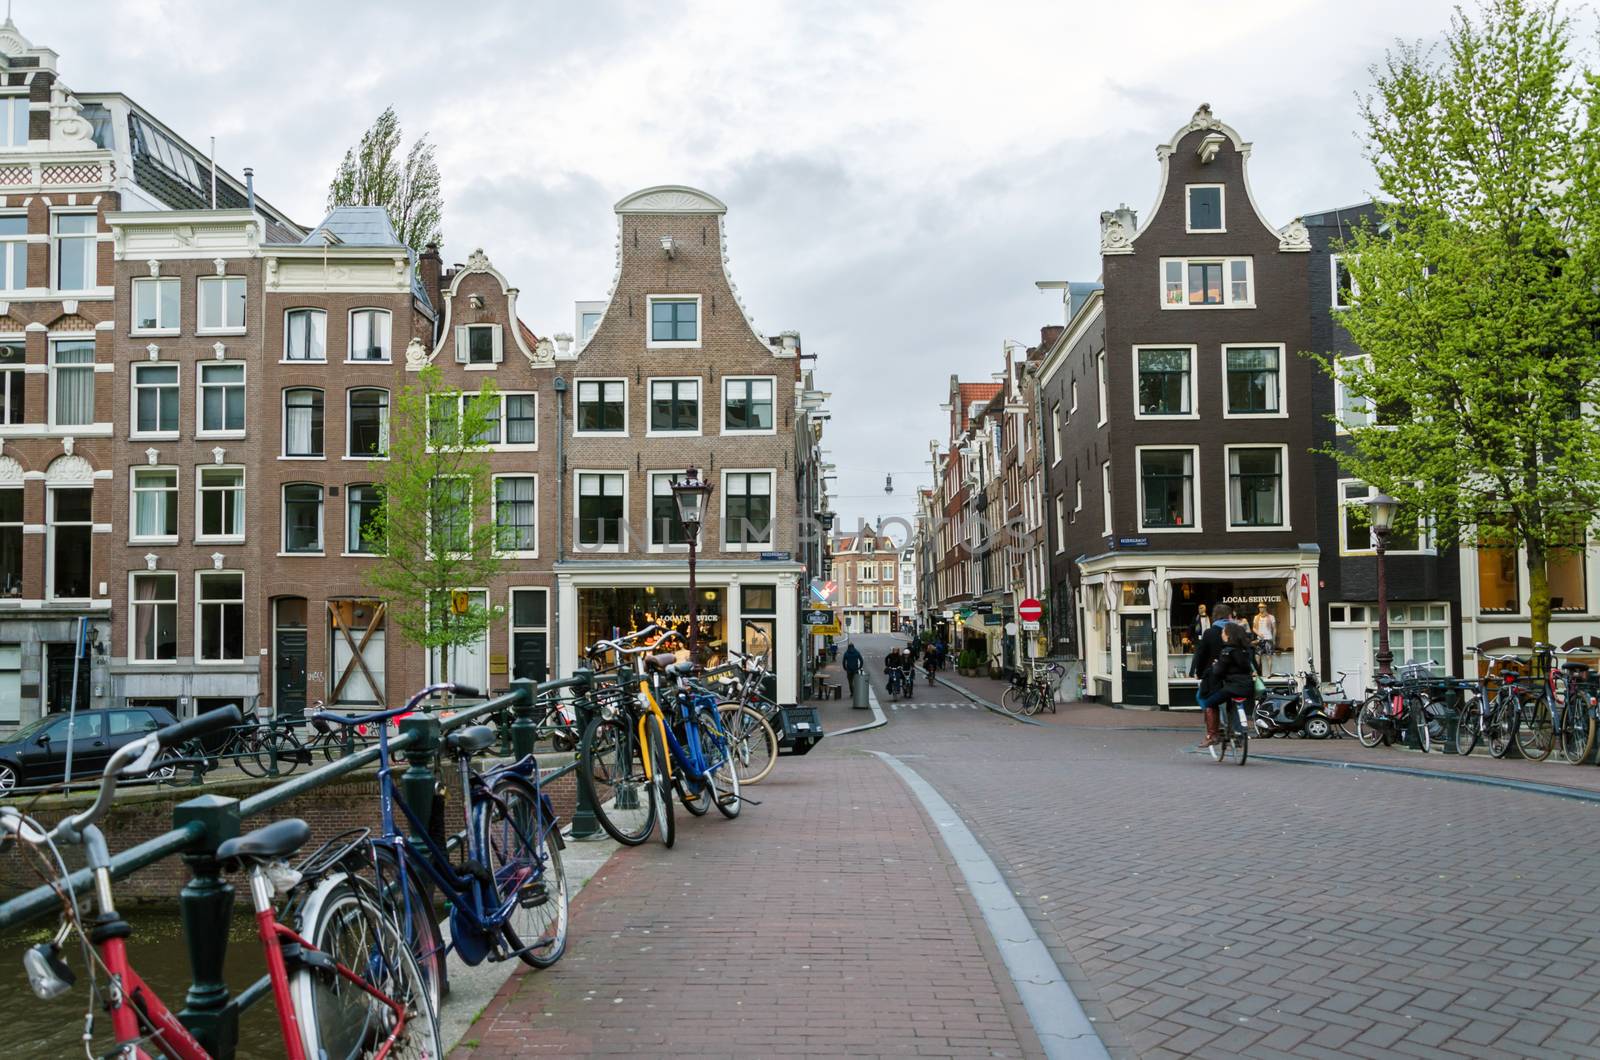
507	894
1235	731
747	715
1399	705
1570	703
1032	687
345	986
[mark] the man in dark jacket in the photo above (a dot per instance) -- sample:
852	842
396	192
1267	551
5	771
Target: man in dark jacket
1205	654
852	664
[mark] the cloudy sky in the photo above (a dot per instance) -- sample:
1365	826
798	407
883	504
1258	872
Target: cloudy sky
897	174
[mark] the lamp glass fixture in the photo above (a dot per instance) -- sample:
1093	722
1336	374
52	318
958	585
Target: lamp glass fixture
690	493
1382	508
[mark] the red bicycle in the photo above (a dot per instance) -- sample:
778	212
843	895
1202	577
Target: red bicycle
343	980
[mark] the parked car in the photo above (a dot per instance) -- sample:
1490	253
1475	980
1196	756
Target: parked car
37	753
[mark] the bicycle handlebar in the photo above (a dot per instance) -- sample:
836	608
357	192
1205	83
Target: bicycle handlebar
198	725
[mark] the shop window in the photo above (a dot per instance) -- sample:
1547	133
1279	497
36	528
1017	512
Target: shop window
631	608
1498	586
10	683
1567	572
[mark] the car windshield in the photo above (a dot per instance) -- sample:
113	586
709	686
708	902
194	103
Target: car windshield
28	731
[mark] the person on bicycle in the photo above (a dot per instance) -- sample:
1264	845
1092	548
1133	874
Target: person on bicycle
1205	655
1233	676
930	661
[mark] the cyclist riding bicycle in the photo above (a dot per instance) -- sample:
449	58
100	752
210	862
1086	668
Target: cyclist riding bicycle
1233	678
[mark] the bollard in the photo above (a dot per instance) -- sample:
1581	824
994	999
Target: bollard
206	906
417	782
858	691
584	823
524	730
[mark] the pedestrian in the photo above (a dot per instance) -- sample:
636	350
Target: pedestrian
1205	654
852	664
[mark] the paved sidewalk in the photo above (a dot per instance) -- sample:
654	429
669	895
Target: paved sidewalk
828	921
1092	715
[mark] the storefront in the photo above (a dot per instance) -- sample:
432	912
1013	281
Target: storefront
748	606
1141	616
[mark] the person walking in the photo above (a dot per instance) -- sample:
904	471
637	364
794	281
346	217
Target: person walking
852	664
1202	665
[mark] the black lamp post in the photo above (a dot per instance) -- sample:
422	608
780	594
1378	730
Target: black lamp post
1382	509
690	493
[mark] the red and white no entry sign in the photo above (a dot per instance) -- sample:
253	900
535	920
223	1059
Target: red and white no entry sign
1030	610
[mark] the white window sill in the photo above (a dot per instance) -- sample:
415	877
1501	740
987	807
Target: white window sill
1275	528
219	540
219	662
672	434
1281	414
363	459
1158	416
596	550
301	555
153	662
513	447
651	345
154	333
478	366
368	360
518	555
153	540
361	555
303	360
221	331
220	436
600	434
1169	530
164	436
310	459
1232	305
734	434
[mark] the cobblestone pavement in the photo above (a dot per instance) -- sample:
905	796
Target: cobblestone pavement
828	921
1279	910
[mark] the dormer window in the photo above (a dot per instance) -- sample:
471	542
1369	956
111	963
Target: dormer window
478	344
1205	208
675	321
13	121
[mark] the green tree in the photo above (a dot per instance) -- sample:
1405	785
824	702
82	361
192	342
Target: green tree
432	522
1476	298
373	173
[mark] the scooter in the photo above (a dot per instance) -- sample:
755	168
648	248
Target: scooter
1292	707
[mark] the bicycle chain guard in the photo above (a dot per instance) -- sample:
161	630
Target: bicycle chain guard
467	939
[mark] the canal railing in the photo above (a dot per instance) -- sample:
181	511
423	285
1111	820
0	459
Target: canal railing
201	824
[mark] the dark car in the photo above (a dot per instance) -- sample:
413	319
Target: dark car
37	753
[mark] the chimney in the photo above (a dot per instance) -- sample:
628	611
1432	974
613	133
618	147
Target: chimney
1128	217
250	189
429	266
1048	335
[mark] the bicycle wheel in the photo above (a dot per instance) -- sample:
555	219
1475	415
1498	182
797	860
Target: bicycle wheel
752	741
240	750
405	896
611	769
523	849
1578	725
692	793
1012	700
1502	730
722	777
661	780
1368	721
338	1019
1034	701
281	748
1419	722
1536	730
1469	728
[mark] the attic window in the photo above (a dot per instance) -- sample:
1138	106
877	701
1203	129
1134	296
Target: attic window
1205	208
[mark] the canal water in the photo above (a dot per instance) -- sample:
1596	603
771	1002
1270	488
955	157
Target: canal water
49	1030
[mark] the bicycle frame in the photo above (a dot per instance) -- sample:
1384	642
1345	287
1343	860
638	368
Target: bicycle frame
676	751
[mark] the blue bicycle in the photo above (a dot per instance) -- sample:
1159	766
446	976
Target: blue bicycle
503	884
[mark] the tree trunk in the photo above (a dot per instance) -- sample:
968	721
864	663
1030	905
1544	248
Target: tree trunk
1538	594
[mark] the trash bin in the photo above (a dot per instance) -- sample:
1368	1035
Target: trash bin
858	691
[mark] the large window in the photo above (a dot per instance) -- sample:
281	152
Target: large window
1166	488
520	418
747	508
155	304
674	321
1354	410
1255	486
602	405
305	335
221	504
515	511
72	380
1252	380
1217	283
13	252
221	303
11	541
450	520
71	533
155	399
747	405
369	335
13	383
153	617
1166	382
665	526
369	422
155	504
302	517
675	406
478	343
356	633
219	617
361	532
468	663
1356	525
1498	587
302	422
1205	208
1344	286
221	399
1567	574
72	236
14	120
602	504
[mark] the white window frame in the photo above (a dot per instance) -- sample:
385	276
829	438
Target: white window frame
497	350
200	490
1077	495
1073	408
771	379
283	520
134	603
1283	488
1228	301
471	507
93	237
163	327
350	523
505	405
494	514
480	596
1341	426
14	375
13	103
512	629
1426	546
134	473
1061	523
134	389
1195	488
50	537
93	367
288	314
1283	375
1222	209
350	337
577	508
349	423
1100	379
200	399
651	544
1194	382
699	403
1333	284
200	286
1055	434
722	513
699	326
627	415
199	624
8	245
283	415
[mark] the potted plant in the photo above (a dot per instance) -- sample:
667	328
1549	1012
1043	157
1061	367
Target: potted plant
967	663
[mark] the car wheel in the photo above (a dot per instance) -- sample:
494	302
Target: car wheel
8	776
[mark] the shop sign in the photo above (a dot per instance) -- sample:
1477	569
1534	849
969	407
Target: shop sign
1264	598
991	619
777	557
985	609
819	617
497	663
1133	542
829	630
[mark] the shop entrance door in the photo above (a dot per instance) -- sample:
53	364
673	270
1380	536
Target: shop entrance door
1348	652
1139	660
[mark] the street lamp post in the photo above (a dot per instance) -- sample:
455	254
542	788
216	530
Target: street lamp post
690	493
1382	508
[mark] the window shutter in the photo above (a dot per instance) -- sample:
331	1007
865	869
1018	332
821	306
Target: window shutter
461	344
499	350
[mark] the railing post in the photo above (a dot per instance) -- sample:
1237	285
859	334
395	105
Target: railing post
417	782
524	730
206	906
584	823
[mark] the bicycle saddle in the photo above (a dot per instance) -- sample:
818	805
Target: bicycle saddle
268	843
661	661
470	740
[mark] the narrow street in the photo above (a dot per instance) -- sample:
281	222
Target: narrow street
1271	910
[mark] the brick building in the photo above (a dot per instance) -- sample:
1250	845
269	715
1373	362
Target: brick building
866	566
